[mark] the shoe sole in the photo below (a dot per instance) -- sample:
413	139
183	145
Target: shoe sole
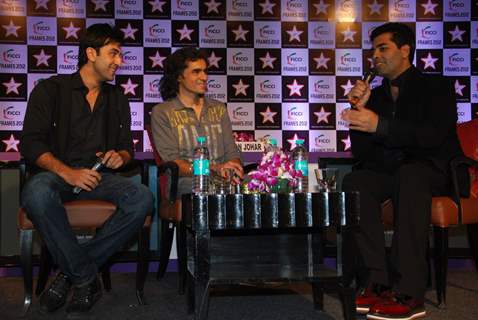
414	316
362	310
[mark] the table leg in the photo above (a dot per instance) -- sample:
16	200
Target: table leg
318	296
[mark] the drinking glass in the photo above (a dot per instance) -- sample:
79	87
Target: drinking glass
326	179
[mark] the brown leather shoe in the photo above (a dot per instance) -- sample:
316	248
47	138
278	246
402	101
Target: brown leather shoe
398	308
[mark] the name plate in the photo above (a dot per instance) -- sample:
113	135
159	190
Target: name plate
250	146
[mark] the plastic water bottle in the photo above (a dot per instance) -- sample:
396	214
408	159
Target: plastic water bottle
201	167
299	156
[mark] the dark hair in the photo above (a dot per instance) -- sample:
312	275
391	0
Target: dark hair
401	34
97	36
174	67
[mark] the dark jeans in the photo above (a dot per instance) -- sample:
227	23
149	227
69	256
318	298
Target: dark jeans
411	189
43	198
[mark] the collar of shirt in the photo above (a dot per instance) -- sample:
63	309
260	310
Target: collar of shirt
77	83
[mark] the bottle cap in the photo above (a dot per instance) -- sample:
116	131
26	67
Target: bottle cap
273	141
201	139
299	142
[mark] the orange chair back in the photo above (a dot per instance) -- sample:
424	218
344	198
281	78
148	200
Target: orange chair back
468	135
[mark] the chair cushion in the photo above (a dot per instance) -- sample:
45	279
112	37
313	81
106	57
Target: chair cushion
444	212
81	214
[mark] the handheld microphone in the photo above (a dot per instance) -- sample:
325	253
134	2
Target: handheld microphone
368	78
96	167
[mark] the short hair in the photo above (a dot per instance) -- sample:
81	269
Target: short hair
174	66
96	36
401	35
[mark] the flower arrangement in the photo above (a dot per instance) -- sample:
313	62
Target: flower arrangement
275	173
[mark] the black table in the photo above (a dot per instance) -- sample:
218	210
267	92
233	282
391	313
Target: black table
258	238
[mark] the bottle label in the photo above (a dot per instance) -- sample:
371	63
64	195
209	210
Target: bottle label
303	166
201	167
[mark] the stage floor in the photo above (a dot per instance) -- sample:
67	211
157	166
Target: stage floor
243	302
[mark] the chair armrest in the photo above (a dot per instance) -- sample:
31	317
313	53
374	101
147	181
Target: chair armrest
170	171
460	176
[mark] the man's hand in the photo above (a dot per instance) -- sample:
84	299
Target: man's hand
361	119
112	159
359	94
86	179
235	166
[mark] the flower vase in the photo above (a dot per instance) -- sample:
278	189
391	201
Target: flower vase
282	186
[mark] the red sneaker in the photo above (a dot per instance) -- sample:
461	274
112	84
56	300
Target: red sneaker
397	309
369	298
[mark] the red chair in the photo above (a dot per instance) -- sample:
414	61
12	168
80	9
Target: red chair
169	211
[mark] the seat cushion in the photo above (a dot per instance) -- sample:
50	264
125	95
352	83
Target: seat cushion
81	214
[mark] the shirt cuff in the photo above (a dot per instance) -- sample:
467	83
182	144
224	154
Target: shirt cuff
382	127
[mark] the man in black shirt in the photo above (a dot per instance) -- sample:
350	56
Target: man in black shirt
404	135
70	120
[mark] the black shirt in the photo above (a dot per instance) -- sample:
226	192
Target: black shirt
54	107
420	126
87	135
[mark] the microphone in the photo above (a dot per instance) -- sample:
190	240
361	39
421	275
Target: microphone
96	167
367	77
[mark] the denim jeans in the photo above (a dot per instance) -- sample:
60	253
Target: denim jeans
43	197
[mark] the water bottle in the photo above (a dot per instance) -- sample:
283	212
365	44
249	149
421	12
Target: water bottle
201	167
299	158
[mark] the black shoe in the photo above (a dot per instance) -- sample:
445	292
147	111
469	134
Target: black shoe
83	299
54	297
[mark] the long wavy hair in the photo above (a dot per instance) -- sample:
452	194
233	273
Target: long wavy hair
97	36
174	67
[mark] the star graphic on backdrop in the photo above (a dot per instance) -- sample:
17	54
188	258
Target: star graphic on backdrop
267	61
294	34
347	143
268	115
347	87
375	7
129	87
11	143
100	4
295	88
135	142
11	29
322	115
71	31
321	7
429	7
213	60
157	60
429	61
240	88
42	58
348	34
185	33
129	32
456	34
459	87
212	5
157	5
321	61
12	86
267	7
292	141
41	4
240	33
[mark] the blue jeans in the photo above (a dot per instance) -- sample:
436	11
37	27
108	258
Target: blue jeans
43	197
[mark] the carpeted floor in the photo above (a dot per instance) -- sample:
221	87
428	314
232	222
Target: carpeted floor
244	302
